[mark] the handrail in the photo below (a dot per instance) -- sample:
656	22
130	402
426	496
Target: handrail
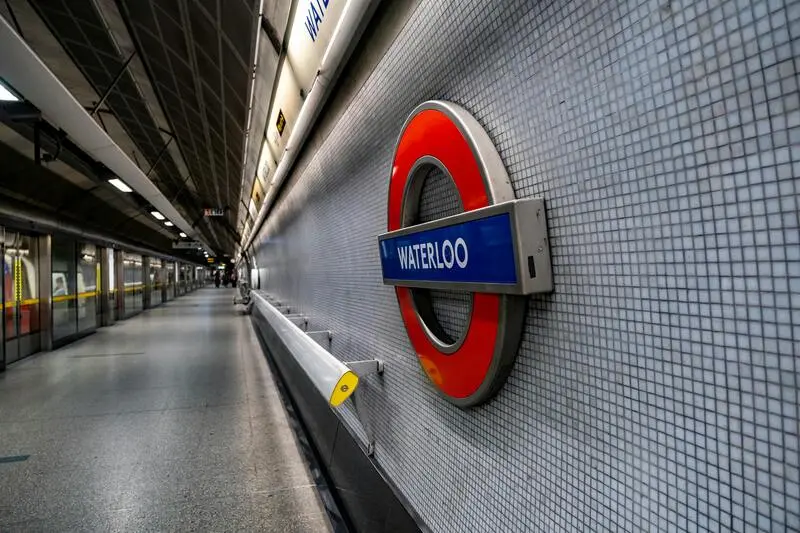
331	377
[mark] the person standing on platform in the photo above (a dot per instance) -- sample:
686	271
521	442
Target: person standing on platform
216	279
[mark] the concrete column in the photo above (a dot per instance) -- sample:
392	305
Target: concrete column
148	285
108	297
119	281
164	277
45	254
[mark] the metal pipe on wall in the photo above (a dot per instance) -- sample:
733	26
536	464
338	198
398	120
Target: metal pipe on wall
334	380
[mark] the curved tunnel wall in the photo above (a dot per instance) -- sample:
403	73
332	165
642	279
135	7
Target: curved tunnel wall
657	387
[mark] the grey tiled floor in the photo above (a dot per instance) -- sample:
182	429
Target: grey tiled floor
169	421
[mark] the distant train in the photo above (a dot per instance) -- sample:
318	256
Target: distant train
25	296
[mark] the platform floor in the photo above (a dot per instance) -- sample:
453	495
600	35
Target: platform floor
169	421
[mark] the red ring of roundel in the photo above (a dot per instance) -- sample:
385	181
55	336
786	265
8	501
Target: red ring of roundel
460	374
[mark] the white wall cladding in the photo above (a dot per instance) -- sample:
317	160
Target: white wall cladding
657	388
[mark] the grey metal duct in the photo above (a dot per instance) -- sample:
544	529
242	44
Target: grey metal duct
44	223
27	74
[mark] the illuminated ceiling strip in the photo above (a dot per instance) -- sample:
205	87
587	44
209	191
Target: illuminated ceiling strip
6	95
121	185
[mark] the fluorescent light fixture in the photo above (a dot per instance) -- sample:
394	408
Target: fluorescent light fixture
121	185
168	224
6	95
158	215
182	234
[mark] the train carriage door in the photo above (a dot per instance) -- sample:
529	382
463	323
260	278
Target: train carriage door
10	308
6	295
21	331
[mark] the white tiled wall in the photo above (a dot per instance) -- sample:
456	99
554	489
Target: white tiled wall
657	388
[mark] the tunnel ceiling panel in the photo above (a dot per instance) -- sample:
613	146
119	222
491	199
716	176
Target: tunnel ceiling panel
80	30
197	55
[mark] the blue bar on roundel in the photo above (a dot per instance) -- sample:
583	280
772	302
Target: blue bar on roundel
477	251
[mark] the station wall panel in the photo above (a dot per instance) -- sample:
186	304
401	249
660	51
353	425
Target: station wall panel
656	389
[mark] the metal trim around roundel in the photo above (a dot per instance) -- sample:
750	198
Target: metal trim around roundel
477	369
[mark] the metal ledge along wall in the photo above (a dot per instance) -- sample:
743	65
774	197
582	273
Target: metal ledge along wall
656	388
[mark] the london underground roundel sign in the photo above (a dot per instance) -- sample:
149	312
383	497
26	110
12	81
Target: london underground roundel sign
496	249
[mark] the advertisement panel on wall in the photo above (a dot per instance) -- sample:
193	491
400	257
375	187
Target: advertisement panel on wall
252	209
285	109
265	172
312	30
257	197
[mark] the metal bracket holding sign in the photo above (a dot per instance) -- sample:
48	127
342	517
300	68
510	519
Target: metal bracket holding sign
322	337
362	369
497	250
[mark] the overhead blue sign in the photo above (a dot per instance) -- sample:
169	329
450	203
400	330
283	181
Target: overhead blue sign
476	252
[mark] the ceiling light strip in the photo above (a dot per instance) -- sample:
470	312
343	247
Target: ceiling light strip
6	94
119	184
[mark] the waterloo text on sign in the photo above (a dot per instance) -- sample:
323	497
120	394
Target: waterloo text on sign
315	14
214	212
489	250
